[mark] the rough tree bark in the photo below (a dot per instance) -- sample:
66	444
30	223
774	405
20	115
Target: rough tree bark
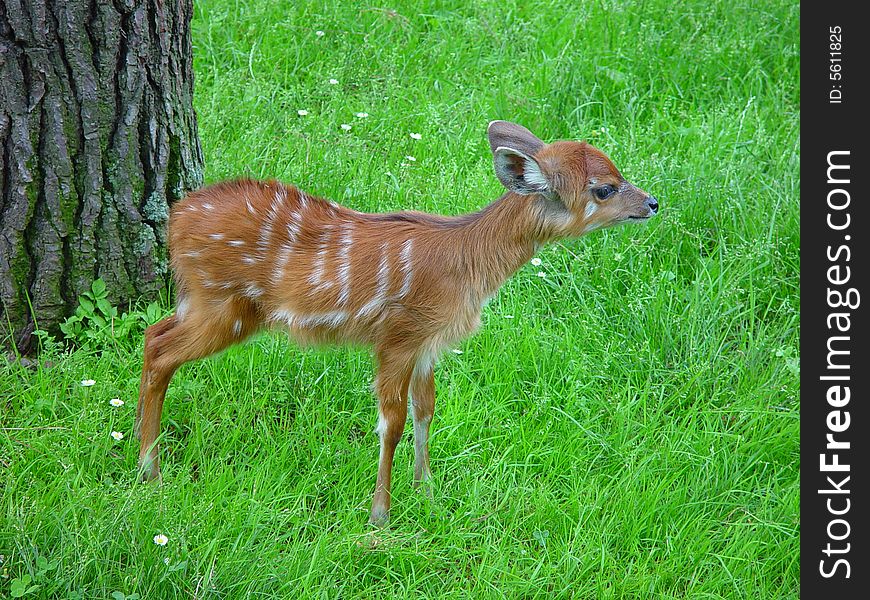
97	137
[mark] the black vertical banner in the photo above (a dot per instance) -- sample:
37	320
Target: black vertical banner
835	424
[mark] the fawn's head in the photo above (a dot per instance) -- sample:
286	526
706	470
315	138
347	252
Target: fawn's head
579	188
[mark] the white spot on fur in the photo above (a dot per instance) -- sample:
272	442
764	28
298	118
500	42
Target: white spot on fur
253	291
381	430
591	207
182	308
237	328
216	236
208	206
249	259
249	205
236	243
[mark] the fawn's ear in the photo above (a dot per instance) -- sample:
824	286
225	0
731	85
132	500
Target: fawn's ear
513	149
511	135
520	172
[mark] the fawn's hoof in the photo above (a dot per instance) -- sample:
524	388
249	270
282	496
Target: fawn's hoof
424	486
149	471
379	517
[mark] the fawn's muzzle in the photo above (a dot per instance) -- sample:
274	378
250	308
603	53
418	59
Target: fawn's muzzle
652	204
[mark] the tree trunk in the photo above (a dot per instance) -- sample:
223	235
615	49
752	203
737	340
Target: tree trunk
97	138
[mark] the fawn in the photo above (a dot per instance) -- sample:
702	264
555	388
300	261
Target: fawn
249	255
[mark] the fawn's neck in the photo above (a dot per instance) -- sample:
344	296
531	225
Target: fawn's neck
501	238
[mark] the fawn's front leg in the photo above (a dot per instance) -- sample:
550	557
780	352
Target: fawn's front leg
391	386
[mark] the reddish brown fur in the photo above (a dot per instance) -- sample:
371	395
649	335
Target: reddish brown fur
247	256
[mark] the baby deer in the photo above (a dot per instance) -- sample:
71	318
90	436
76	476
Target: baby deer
249	255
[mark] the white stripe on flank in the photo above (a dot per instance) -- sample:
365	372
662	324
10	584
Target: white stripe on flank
380	296
285	316
405	259
316	277
294	225
283	259
280	197
344	268
327	319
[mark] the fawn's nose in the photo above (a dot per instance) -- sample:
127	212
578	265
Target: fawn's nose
653	204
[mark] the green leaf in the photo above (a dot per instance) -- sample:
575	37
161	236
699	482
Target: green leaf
19	586
105	307
87	305
99	288
119	595
152	313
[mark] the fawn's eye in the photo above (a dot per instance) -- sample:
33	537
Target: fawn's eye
604	192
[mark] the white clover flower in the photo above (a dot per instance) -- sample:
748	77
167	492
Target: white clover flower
319	33
617	257
118	436
541	274
536	261
362	115
161	540
88	382
333	82
416	136
302	112
166	560
410	159
346	126
116	402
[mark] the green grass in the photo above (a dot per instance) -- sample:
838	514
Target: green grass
631	433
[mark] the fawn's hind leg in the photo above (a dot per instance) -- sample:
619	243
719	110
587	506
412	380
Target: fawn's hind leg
171	343
151	332
391	387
